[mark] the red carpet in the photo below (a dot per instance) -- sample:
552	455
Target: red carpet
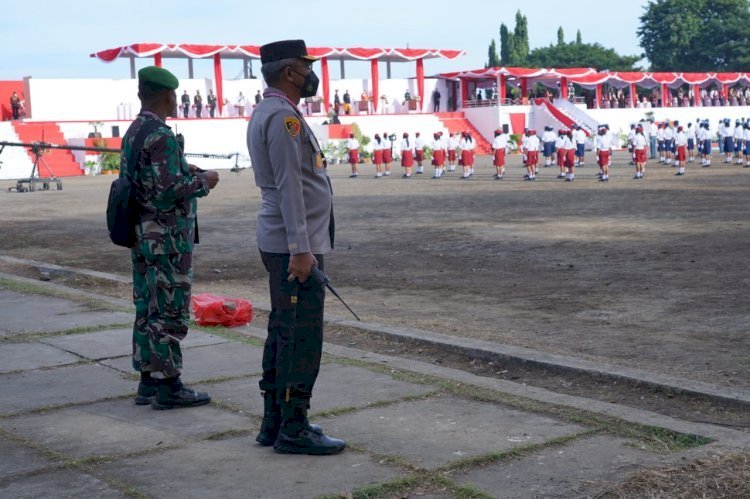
60	162
456	122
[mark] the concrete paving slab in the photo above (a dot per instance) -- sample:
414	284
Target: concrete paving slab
60	483
62	385
210	362
239	468
120	426
437	431
562	471
19	459
26	356
118	342
38	314
338	386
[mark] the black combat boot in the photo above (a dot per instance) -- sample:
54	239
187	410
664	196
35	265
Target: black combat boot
172	393
269	428
146	389
297	437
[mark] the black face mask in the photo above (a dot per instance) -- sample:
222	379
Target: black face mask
309	87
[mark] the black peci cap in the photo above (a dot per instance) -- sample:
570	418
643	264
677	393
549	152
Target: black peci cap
284	49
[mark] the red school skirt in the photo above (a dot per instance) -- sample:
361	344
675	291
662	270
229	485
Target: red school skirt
407	158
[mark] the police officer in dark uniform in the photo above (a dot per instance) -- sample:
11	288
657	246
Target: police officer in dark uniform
294	231
198	102
211	101
185	101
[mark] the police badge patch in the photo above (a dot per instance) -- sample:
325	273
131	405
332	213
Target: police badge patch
292	126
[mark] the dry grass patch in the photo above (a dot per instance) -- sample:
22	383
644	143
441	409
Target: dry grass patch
726	476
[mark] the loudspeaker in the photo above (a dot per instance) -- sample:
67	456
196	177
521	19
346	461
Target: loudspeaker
115	130
505	128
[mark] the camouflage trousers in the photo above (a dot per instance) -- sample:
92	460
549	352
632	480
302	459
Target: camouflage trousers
161	293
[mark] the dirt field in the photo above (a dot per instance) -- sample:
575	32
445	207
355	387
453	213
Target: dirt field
651	274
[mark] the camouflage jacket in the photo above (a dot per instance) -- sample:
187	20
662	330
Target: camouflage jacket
165	189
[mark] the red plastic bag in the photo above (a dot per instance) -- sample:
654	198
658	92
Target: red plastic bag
218	310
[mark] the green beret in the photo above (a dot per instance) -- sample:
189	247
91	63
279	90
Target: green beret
158	76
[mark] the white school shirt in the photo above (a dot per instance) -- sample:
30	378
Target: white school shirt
559	141
604	141
746	134
579	137
567	143
444	143
435	145
646	131
405	145
500	142
640	142
376	146
660	135
727	131
533	143
353	144
700	134
418	143
691	133
631	135
453	143
668	134
464	145
548	136
738	133
680	139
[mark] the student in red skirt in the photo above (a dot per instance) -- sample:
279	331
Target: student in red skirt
438	155
419	152
387	153
533	144
353	145
570	156
465	156
378	145
499	146
560	150
407	156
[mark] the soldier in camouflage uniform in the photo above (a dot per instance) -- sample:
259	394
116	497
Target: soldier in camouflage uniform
167	189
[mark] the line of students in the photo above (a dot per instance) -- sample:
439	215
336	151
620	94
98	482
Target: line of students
444	150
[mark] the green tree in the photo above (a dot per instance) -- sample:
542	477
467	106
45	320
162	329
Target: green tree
520	44
696	35
579	39
506	45
576	55
560	36
492	59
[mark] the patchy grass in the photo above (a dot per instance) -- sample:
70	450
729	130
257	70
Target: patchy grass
726	476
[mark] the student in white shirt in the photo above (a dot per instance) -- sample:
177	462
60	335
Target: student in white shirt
739	134
548	142
680	140
499	147
639	145
353	145
533	144
604	152
419	152
560	150
438	155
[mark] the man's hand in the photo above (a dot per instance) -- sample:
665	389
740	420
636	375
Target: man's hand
300	265
213	178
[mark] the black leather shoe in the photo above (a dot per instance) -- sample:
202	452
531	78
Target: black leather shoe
169	396
308	442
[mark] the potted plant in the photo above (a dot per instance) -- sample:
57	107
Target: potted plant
90	168
110	163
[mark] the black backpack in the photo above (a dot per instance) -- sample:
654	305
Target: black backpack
122	206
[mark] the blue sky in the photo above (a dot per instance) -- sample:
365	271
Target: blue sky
53	38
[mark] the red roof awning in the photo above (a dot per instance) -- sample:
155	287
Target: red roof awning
193	51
